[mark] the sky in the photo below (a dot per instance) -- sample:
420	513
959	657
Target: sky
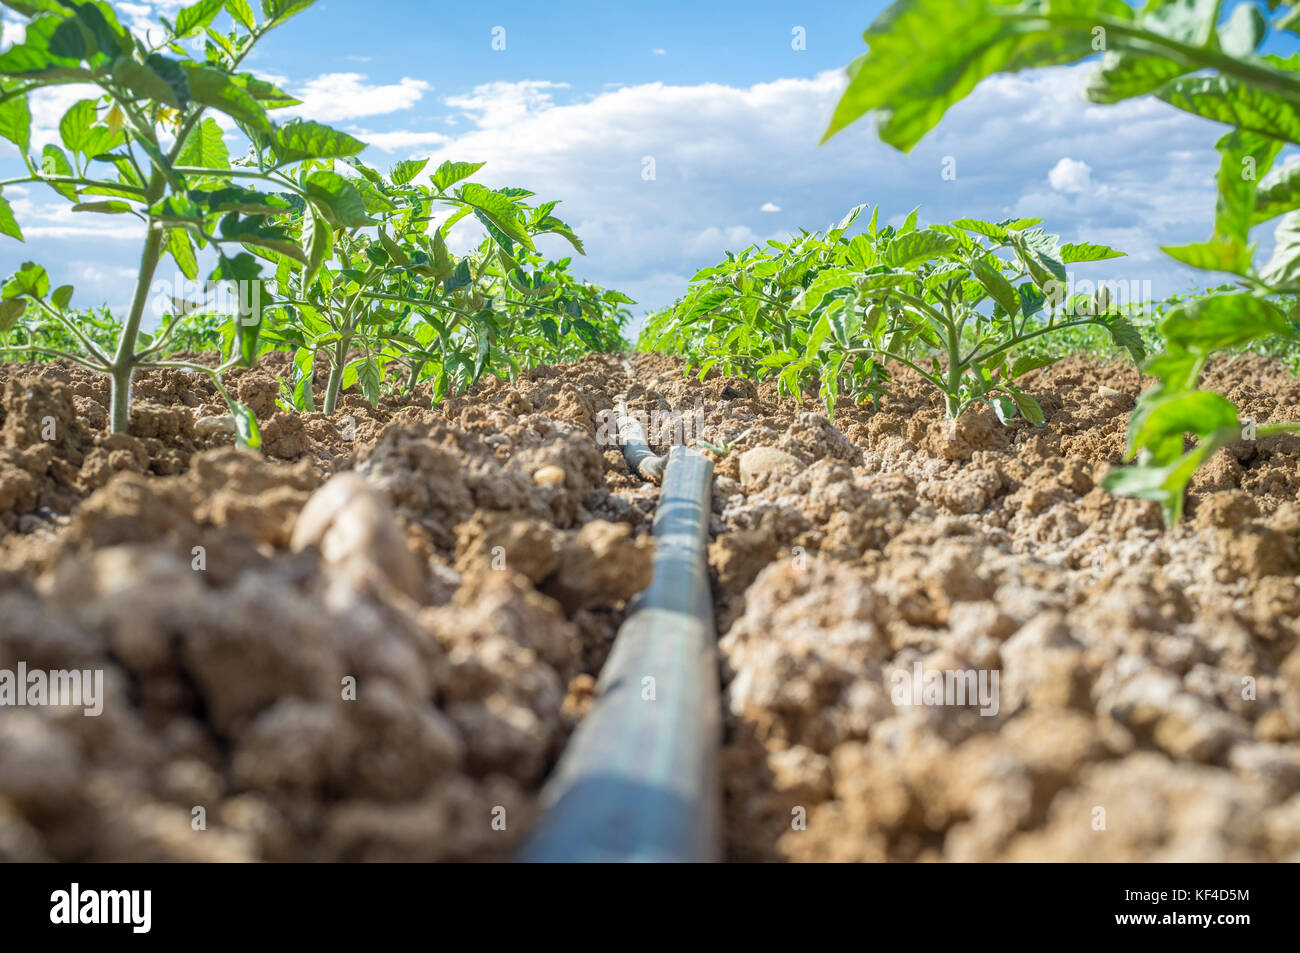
673	132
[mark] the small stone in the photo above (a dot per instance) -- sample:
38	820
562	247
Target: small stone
1108	391
208	426
549	475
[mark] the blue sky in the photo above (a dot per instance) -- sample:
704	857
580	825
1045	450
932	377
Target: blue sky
586	96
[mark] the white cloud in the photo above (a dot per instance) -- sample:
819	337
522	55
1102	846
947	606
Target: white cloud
334	96
659	51
769	207
1070	175
500	105
402	140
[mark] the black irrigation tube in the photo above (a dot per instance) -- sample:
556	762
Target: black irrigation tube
639	779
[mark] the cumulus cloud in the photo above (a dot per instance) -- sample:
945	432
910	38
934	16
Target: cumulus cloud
1070	175
334	96
402	141
769	207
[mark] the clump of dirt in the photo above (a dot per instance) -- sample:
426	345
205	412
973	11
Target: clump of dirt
369	642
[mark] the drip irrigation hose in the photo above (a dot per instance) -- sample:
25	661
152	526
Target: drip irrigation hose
636	450
639	779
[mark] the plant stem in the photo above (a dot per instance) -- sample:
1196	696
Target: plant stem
951	393
336	374
124	359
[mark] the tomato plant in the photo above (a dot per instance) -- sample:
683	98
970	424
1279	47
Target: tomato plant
326	256
955	303
925	55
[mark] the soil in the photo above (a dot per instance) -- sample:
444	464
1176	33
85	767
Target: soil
372	640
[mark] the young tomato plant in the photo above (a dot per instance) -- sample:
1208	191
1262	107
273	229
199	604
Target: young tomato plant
397	297
952	302
145	146
925	55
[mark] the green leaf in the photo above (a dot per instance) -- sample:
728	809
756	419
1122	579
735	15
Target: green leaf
1228	255
1219	321
54	161
337	199
268	94
1037	251
181	249
190	20
303	139
987	270
16	122
1278	192
987	229
1126	335
149	83
1176	368
1228	100
1243	157
1085	251
235	198
318	239
925	55
914	247
62	297
407	170
1123	75
1024	365
103	208
252	298
1003	407
493	208
1283	269
219	90
247	434
833	279
9	224
1028	407
253	230
11	309
205	147
30	279
241	13
277	11
368	377
1165	420
74	127
449	173
443	264
304	362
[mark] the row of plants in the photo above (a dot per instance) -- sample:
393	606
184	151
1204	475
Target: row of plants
1204	57
319	253
961	304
